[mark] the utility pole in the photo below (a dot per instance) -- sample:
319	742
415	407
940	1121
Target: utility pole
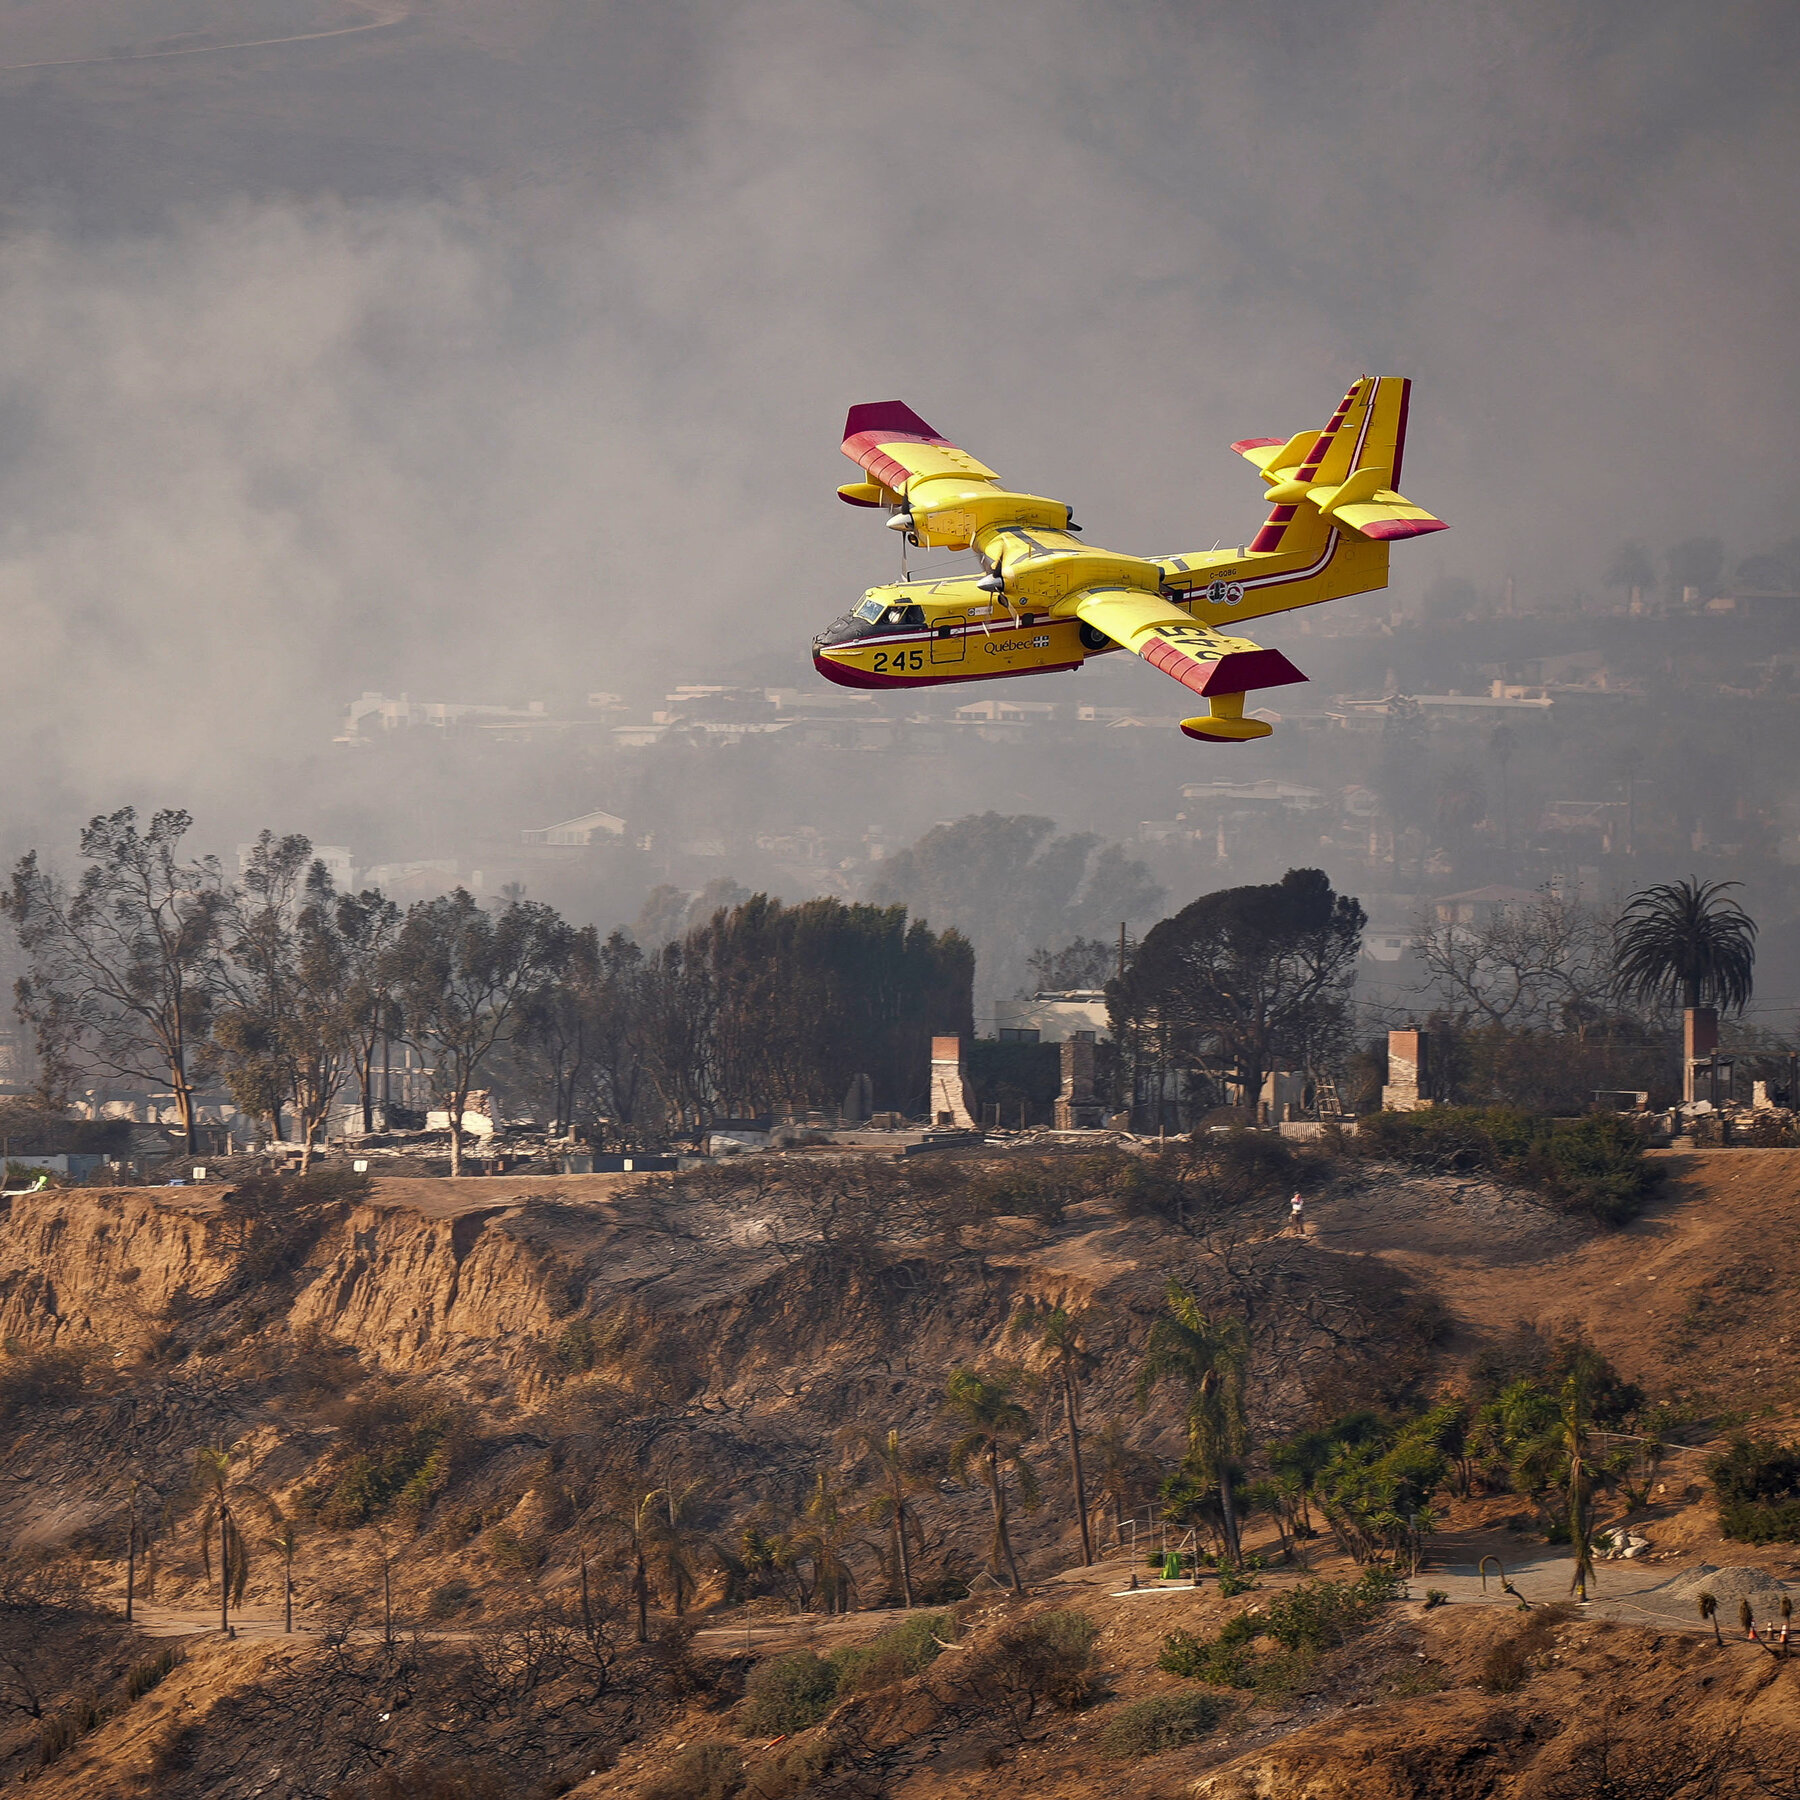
1121	949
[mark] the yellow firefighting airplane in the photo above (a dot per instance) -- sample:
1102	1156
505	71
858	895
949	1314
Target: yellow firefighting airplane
1047	601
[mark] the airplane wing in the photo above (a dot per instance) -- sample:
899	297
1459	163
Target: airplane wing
889	440
1208	662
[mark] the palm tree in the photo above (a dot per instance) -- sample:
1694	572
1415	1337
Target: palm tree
1207	1357
1684	943
1120	1469
1062	1336
638	1518
284	1541
994	1427
826	1535
223	1499
674	1534
899	1477
1709	1610
135	1537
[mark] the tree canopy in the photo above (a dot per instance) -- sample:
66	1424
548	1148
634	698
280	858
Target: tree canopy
1244	981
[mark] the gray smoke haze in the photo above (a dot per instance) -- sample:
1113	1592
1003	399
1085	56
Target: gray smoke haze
504	349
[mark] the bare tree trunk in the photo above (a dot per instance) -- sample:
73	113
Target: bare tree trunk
457	1101
184	1112
640	1585
1001	1534
224	1570
130	1564
1081	1510
906	1593
287	1589
1228	1507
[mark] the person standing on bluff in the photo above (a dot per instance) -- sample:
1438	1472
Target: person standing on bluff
1297	1215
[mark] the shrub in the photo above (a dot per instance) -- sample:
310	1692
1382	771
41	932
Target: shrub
1505	1666
1757	1481
901	1650
1594	1165
452	1598
1319	1615
788	1694
1224	1661
143	1676
1166	1722
713	1770
791	1773
401	1453
63	1730
34	1378
1046	1659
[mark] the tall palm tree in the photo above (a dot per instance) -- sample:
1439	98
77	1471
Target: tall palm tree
994	1428
284	1540
899	1478
135	1537
1062	1336
637	1518
1684	943
827	1535
674	1534
1207	1357
224	1502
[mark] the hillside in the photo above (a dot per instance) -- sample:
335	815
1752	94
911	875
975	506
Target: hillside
467	1385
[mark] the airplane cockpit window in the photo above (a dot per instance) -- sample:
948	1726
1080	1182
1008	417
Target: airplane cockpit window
871	609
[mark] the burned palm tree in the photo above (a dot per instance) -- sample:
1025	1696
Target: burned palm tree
225	1503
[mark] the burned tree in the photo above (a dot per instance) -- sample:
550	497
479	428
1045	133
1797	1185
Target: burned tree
124	970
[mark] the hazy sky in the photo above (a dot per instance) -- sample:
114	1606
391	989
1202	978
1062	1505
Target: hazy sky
505	348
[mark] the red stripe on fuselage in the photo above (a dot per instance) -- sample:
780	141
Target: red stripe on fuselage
847	676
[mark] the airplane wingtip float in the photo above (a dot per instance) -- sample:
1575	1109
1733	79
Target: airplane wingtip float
1047	601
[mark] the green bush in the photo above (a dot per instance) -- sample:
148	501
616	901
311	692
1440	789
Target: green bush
1166	1722
713	1770
901	1650
788	1694
1757	1481
1594	1165
1224	1661
1319	1615
401	1451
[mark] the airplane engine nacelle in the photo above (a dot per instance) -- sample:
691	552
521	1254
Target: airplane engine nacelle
950	518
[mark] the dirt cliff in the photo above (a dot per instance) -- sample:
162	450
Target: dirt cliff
456	1387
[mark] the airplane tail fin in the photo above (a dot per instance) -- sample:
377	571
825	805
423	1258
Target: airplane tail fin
1347	475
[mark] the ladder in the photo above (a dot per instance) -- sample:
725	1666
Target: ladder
1325	1099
